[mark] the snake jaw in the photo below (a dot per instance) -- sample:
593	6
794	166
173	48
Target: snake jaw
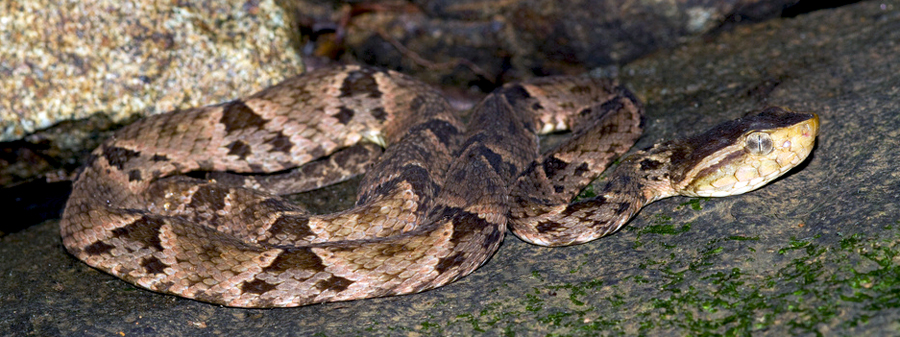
754	159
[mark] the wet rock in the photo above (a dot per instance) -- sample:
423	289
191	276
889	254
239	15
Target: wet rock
482	43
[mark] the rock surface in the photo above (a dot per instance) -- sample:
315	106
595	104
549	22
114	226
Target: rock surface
484	42
815	252
64	60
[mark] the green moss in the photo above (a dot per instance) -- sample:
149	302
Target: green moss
533	302
586	193
577	290
742	238
661	224
810	282
694	203
431	328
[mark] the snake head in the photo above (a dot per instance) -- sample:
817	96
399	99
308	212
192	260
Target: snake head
744	154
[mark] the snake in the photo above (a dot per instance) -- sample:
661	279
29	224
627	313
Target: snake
192	202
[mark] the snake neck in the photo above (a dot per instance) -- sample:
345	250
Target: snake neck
640	179
648	171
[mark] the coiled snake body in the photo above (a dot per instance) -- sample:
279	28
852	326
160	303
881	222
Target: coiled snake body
433	207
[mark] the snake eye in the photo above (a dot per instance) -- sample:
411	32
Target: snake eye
758	143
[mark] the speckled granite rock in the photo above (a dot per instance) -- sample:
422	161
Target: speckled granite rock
815	252
62	60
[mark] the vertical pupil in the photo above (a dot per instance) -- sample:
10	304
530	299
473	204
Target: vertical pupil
759	143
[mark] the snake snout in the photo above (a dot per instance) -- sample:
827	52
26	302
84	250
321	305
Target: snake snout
776	142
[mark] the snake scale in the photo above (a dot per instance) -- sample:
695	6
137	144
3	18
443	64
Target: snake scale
187	203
